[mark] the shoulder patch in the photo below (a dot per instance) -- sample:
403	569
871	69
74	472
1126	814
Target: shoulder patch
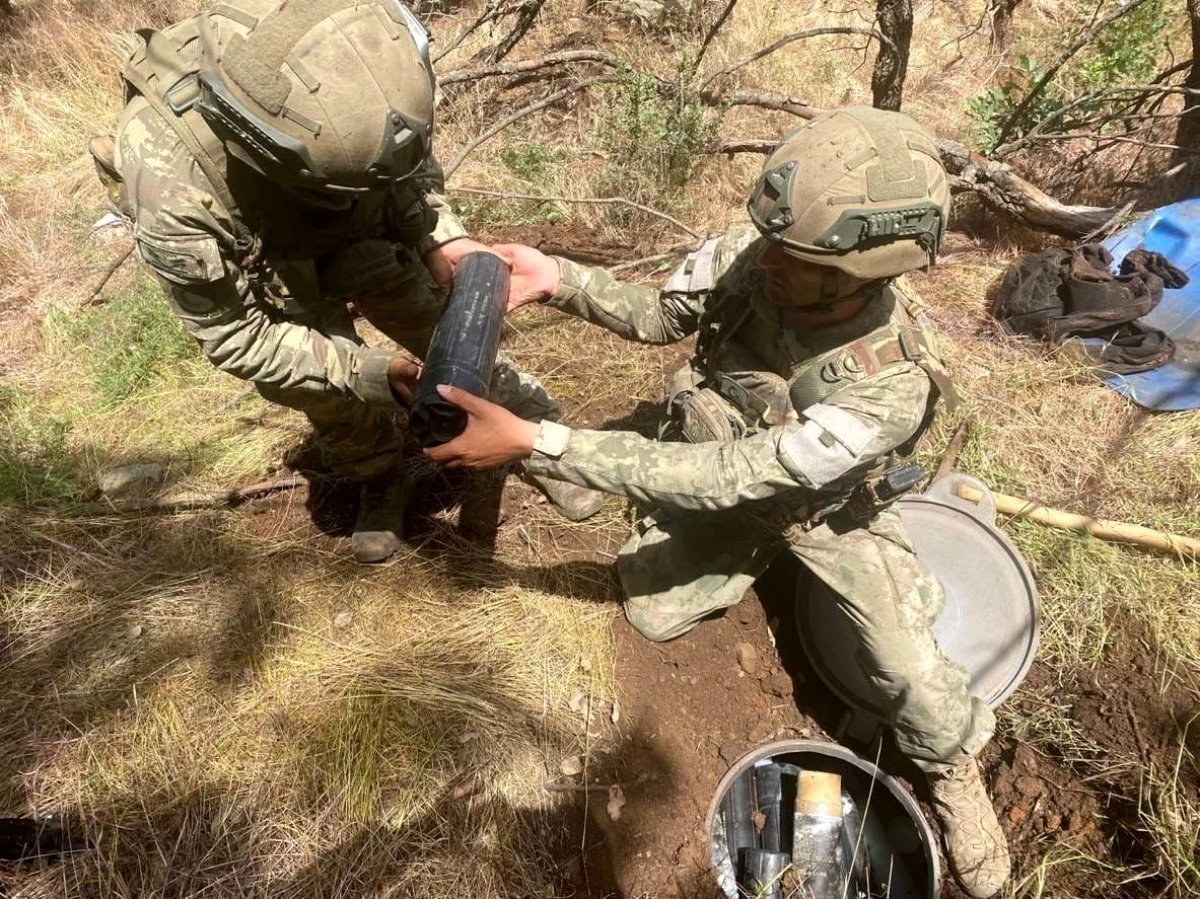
182	259
697	273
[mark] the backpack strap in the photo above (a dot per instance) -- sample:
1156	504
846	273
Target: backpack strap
171	85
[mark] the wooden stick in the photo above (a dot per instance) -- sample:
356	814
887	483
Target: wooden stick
954	448
784	41
184	502
565	57
94	298
1113	531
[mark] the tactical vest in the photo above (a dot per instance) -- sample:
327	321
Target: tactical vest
735	391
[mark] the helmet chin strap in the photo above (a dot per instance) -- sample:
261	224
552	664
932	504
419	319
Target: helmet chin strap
829	294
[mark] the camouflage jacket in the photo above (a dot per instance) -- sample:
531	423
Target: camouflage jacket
799	452
253	313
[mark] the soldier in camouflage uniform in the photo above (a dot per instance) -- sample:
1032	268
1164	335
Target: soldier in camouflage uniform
814	369
276	159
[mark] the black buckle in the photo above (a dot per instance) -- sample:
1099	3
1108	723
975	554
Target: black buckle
183	94
910	345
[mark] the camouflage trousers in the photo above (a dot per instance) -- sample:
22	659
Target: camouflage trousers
680	567
400	299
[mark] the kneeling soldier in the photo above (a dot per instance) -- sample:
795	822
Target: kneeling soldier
814	370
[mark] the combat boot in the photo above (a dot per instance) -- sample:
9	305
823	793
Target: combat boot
976	847
573	503
382	502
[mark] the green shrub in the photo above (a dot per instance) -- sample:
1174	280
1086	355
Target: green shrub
1128	52
654	136
127	343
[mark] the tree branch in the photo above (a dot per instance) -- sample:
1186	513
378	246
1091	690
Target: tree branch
784	41
525	19
712	32
596	201
492	12
762	99
460	76
184	502
1079	43
522	113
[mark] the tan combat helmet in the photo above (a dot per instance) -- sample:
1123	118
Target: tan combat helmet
858	189
330	95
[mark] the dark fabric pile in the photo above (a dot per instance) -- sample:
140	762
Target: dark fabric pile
1061	294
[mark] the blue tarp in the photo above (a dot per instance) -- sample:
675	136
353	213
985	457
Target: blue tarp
1173	231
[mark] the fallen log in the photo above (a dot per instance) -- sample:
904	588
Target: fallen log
1112	531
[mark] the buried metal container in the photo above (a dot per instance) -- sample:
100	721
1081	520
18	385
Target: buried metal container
804	818
989	624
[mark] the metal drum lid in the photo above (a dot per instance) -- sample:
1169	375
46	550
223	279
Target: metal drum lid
989	624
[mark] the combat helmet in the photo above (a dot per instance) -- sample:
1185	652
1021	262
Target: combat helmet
858	189
331	96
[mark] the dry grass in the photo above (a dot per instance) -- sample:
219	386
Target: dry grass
181	684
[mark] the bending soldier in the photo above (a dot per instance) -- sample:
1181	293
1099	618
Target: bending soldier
814	369
277	160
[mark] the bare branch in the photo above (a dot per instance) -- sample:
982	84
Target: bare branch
525	19
522	113
459	76
595	201
490	13
762	99
1078	44
184	502
1133	91
712	32
731	145
784	41
650	260
94	298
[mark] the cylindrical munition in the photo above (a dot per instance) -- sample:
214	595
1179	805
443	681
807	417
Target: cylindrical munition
817	834
762	873
854	849
463	350
768	793
738	810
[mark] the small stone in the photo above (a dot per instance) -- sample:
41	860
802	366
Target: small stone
130	481
1017	814
778	684
571	765
578	703
615	715
747	657
342	619
616	801
585	665
135	631
1054	821
1029	786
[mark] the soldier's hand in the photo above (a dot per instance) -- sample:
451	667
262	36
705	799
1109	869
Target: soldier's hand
441	261
493	436
535	276
402	376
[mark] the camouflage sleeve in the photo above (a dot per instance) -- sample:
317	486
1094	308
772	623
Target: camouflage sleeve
186	237
827	450
633	311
